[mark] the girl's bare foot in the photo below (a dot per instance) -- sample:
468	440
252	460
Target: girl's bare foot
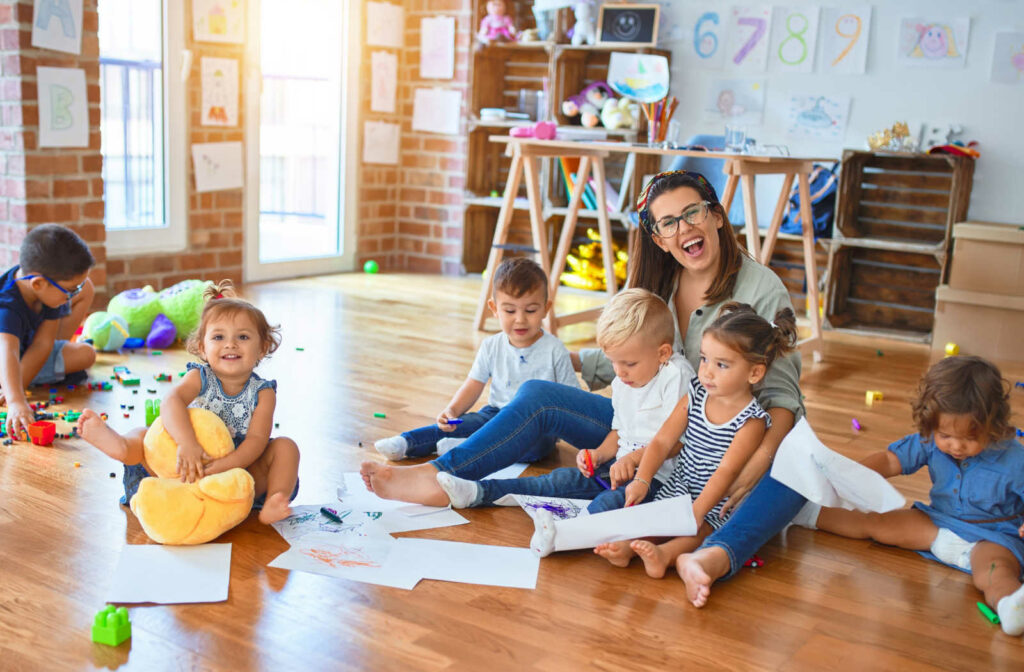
656	559
695	578
407	484
93	429
275	508
617	552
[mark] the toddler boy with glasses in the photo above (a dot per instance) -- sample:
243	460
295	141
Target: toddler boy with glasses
43	300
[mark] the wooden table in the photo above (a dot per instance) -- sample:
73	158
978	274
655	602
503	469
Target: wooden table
741	170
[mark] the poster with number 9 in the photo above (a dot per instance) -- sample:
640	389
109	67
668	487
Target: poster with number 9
794	38
747	47
844	39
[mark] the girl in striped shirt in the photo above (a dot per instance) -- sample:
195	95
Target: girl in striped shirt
721	422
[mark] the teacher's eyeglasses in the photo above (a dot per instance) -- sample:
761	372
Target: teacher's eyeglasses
70	293
668	227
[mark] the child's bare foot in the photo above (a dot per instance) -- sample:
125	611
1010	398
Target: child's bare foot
617	552
407	484
695	578
276	508
656	559
93	429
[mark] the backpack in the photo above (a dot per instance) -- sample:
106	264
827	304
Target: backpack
824	184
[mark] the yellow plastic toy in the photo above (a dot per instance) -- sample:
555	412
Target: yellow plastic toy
587	265
176	513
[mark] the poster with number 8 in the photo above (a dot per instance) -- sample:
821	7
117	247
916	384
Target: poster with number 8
844	39
747	46
794	38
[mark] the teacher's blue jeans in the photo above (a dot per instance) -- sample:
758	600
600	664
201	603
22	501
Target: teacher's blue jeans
542	412
423	441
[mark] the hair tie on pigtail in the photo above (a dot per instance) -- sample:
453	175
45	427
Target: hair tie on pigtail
219	296
774	326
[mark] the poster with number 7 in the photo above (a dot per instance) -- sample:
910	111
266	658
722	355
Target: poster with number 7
844	39
794	38
747	47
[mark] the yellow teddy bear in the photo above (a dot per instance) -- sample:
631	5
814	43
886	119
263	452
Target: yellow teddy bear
172	512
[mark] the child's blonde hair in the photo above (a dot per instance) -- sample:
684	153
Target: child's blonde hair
220	300
969	386
635	311
738	326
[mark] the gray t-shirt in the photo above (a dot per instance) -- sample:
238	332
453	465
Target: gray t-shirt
508	367
761	288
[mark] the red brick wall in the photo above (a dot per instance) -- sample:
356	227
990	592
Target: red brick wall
46	185
411	217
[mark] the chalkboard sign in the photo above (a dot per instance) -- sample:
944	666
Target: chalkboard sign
628	25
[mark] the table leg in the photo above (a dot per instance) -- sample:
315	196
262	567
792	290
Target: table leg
515	173
565	241
811	266
540	234
780	212
729	192
750	213
604	227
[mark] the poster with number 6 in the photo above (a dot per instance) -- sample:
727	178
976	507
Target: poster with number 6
794	38
704	42
844	39
748	38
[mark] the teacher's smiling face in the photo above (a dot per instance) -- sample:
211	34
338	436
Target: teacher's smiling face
686	226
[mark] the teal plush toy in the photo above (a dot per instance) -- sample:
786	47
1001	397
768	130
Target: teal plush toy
181	303
106	331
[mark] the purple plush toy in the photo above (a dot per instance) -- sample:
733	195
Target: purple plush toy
162	334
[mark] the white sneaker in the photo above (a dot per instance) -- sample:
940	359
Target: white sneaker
444	445
461	493
393	447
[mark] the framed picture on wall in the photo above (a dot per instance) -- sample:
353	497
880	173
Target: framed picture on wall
623	25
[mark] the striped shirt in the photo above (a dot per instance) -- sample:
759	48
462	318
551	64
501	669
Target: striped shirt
705	444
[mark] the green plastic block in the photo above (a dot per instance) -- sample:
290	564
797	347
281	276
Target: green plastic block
129	381
152	411
111	626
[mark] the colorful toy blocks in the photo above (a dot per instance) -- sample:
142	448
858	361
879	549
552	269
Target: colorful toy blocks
162	377
871	396
111	626
42	432
152	411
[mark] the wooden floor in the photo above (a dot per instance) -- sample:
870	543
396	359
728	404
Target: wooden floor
401	345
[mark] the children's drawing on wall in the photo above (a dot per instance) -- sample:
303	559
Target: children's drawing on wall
739	101
380	142
58	25
437	47
218	21
437	110
845	32
794	38
383	81
934	44
220	91
63	109
748	38
642	77
1008	58
704	31
218	165
384	24
816	117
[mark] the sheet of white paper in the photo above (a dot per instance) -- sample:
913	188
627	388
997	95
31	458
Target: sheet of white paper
671	517
57	24
747	38
437	47
825	477
642	77
735	101
817	117
1008	58
794	38
219	92
471	563
365	559
933	42
218	165
514	470
383	81
437	111
395	521
381	142
172	574
561	508
845	35
63	109
218	21
387	512
414	510
385	24
307	519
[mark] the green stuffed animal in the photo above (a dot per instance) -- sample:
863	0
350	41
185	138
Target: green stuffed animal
181	303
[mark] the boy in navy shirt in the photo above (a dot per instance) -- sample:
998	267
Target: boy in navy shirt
43	301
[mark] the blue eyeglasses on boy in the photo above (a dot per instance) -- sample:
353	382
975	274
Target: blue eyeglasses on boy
69	293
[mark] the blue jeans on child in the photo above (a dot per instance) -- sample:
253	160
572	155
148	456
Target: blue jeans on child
542	412
568	482
423	441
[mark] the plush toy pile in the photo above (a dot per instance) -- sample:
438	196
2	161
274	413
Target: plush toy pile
596	104
172	512
154	318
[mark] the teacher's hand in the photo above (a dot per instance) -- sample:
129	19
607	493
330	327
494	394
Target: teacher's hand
748	477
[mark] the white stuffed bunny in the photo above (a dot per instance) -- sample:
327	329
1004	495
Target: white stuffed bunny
585	30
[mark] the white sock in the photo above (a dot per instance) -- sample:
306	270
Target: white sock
461	493
542	543
1011	612
808	516
951	549
444	445
393	447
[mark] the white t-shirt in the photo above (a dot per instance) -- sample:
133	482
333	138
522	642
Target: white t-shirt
508	367
640	412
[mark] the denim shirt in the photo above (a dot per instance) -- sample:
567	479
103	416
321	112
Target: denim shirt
761	288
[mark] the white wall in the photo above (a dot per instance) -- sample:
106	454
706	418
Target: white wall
990	113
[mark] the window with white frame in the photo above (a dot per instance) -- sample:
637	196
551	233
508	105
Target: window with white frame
142	124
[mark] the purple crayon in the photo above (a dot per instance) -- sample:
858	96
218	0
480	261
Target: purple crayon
856	425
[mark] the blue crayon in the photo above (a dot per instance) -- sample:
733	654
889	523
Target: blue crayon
601	482
455	421
331	514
